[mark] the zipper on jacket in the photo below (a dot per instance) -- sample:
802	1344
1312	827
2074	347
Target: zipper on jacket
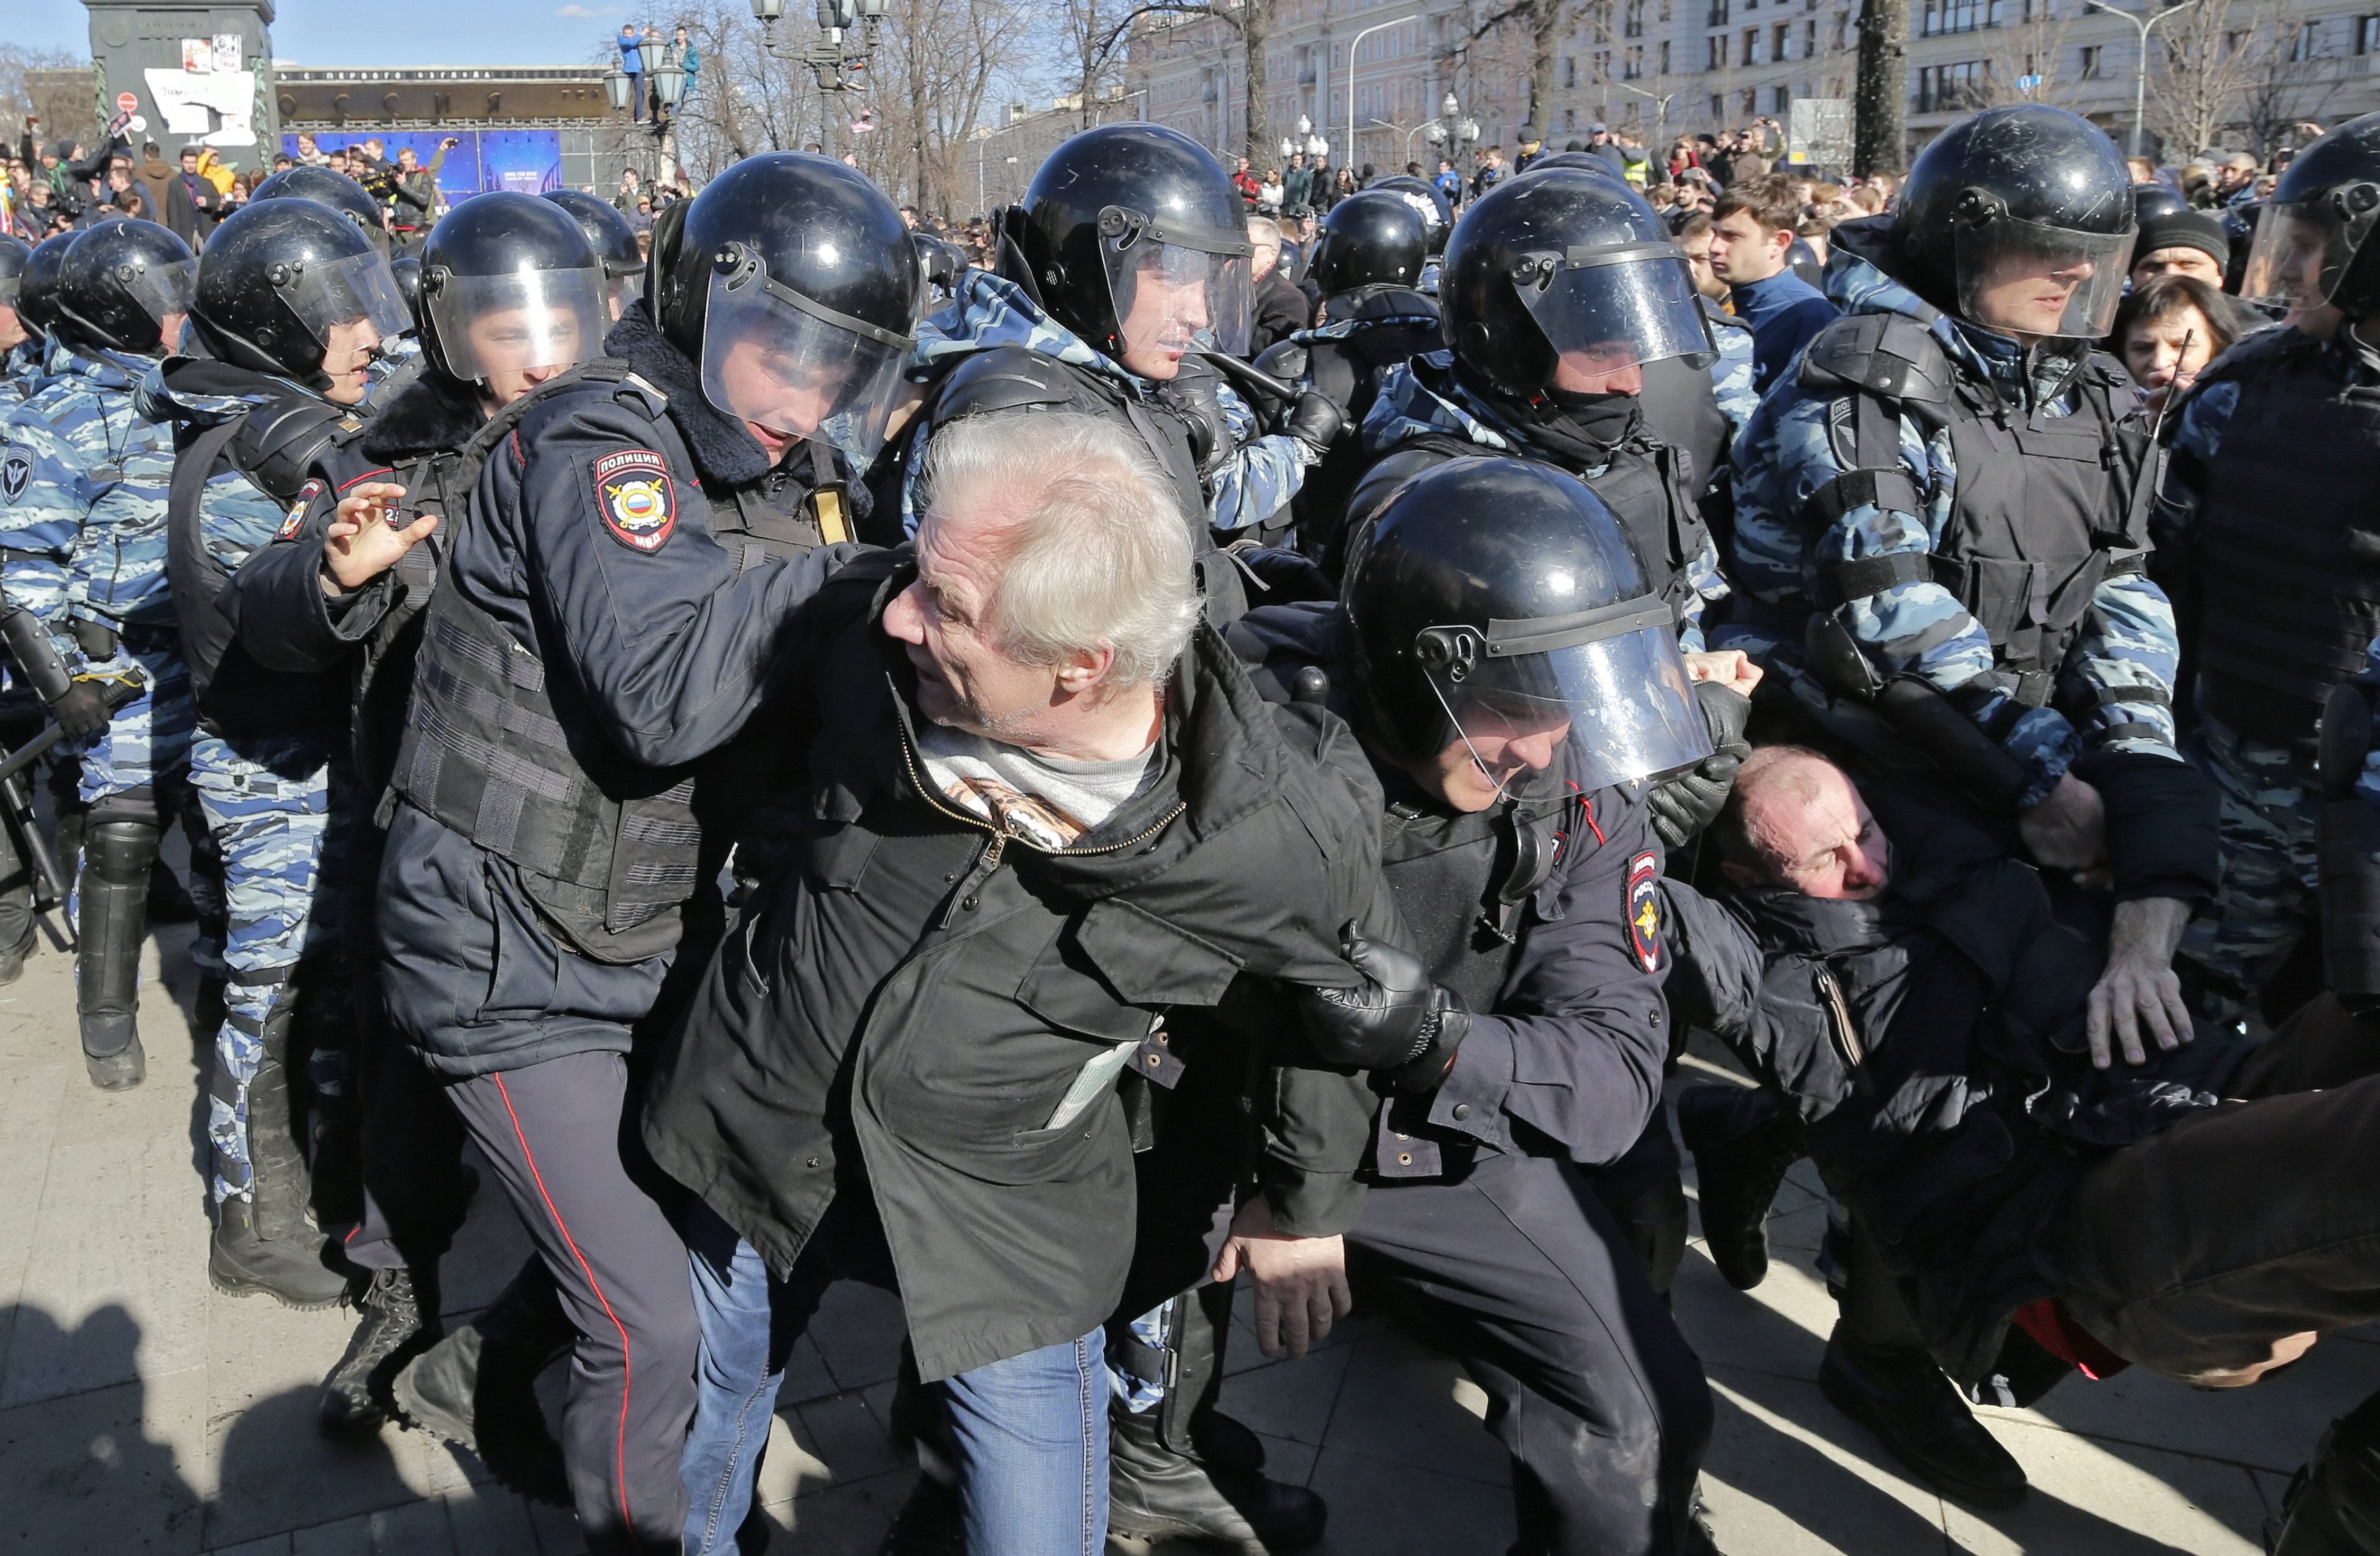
968	891
1846	1035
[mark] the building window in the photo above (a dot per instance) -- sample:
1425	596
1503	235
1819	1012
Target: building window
1952	15
1631	21
1949	88
2307	44
1569	71
1665	56
1718	108
2094	57
1632	67
1717	53
1842	32
1783	50
1780	100
1751	100
1718	17
2367	34
1751	47
1809	39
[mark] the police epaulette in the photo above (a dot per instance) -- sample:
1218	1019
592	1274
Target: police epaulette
639	381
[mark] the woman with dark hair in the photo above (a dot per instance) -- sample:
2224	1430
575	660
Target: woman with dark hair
2168	331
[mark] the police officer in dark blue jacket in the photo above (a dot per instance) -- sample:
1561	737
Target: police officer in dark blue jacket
604	629
1525	1038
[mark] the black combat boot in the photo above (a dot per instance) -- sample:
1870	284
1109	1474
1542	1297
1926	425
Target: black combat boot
264	1242
1155	1493
113	923
400	1319
1923	1420
477	1388
1743	1140
2333	1508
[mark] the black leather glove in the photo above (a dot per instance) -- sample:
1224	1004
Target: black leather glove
1390	1019
1314	421
1427	1068
83	708
1684	806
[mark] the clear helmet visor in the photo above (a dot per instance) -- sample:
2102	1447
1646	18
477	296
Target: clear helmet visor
488	324
2028	279
623	289
797	367
1615	708
1177	289
2302	250
356	292
1603	309
162	288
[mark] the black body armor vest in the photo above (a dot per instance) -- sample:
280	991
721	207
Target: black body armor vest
277	447
507	754
1463	884
1392	326
2289	543
2046	509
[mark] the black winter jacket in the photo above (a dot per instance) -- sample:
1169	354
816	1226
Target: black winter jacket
905	1008
1933	1043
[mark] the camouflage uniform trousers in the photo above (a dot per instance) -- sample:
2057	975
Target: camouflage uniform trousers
2265	901
267	807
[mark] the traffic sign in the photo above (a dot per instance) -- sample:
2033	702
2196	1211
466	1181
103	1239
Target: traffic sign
125	103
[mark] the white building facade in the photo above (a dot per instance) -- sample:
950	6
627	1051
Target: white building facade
1661	69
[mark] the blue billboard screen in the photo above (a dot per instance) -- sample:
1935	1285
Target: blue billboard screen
524	161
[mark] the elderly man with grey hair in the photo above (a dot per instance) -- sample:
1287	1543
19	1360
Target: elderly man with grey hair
1044	814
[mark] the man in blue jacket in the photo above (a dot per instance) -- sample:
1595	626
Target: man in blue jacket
1752	235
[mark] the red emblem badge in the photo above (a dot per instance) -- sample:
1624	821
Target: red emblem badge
639	505
297	517
1643	909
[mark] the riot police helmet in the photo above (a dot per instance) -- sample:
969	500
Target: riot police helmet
2154	202
1497	615
794	285
510	285
614	240
1430	202
15	253
290	287
336	191
2314	236
943	262
37	287
2019	220
1561	279
1137	242
126	286
407	268
1375	238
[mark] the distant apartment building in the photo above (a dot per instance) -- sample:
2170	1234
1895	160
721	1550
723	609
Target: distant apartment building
1665	68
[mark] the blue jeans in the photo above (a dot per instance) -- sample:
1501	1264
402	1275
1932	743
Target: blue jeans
1029	1433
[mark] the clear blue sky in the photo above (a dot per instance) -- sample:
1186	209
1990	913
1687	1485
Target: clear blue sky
431	31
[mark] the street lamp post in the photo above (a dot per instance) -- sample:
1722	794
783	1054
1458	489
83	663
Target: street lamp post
1375	27
1449	130
669	88
836	60
2141	70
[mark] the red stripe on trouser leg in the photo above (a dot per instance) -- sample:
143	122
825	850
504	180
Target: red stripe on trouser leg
627	1368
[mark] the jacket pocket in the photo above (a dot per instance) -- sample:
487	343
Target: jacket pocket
525	973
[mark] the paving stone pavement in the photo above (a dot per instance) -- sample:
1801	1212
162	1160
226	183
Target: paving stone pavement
141	1411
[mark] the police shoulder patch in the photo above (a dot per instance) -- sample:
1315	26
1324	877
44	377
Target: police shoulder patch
16	473
297	519
1643	909
638	504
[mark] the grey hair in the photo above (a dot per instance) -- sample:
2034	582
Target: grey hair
1098	556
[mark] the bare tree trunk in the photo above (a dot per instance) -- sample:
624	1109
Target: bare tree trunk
1255	28
1881	100
1545	28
